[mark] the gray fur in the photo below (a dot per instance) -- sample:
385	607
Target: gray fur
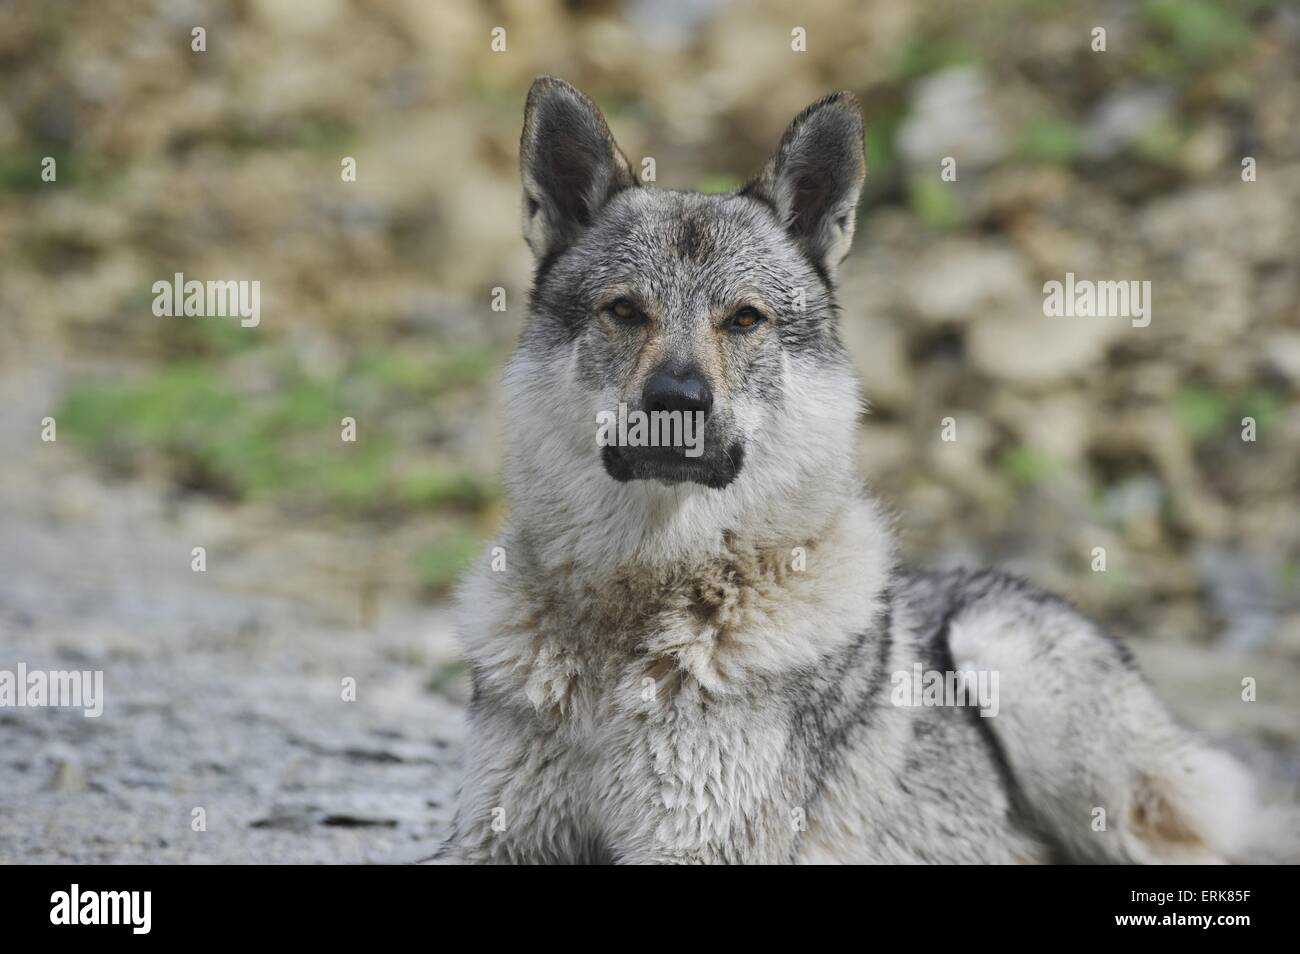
700	669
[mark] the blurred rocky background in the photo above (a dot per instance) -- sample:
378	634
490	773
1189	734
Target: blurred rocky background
330	559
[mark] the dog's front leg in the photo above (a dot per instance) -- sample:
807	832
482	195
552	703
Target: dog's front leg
724	826
517	802
704	785
736	848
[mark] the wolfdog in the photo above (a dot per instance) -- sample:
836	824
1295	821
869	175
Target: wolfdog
695	658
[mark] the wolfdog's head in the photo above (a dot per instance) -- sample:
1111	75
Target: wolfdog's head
689	309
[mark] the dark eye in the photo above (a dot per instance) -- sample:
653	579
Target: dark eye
623	310
746	318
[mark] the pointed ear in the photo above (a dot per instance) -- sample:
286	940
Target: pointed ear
570	163
815	178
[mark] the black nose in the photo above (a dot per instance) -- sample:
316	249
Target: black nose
685	391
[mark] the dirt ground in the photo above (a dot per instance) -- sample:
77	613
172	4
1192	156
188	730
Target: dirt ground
222	688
